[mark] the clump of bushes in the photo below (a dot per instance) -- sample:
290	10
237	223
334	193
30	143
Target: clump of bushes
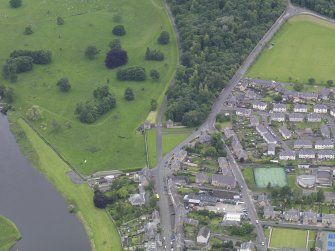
132	74
155	55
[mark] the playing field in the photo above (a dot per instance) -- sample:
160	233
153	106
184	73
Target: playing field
288	238
108	143
274	175
302	49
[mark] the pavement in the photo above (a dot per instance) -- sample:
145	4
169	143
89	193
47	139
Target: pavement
161	172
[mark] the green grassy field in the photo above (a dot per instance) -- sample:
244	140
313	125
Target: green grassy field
275	176
9	234
107	143
170	141
289	238
249	178
151	141
99	227
298	52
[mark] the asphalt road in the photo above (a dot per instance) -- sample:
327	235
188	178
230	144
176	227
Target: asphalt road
161	172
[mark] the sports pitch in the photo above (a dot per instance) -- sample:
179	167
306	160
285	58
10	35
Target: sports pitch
296	53
274	175
288	238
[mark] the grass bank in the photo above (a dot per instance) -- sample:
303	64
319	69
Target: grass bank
170	141
107	143
302	49
99	227
9	234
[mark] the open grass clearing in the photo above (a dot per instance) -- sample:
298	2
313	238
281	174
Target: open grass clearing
170	141
9	234
106	144
273	175
288	238
99	227
297	52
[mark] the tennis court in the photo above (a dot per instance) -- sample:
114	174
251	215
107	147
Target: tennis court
274	175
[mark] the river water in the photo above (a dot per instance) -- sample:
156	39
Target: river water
29	199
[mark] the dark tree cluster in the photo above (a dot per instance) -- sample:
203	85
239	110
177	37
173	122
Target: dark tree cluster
243	230
129	94
134	73
6	94
115	58
91	110
119	30
64	85
216	37
164	38
22	61
155	55
91	52
15	3
101	201
324	7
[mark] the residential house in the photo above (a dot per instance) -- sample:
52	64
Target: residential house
308	95
269	213
300	108
292	215
296	117
247	246
319	108
278	117
228	133
285	132
279	108
147	125
324	144
200	199
227	181
328	219
201	178
314	117
137	199
203	236
254	120
250	94
259	105
238	149
175	165
204	137
332	112
271	149
324	94
306	154
306	181
309	217
224	166
243	112
326	154
262	200
303	143
242	86
267	136
324	177
181	155
169	123
325	132
287	155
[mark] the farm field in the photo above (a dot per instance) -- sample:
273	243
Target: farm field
108	143
9	234
99	227
274	176
296	53
170	141
289	238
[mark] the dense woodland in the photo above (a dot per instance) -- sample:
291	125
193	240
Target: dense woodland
216	36
324	7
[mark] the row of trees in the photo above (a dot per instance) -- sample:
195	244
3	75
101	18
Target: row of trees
324	7
22	61
216	37
102	102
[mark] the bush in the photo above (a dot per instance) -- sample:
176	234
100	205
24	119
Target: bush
91	51
115	44
116	58
6	94
155	55
119	30
60	21
154	74
39	57
164	38
23	64
129	94
15	3
153	105
64	85
28	30
132	74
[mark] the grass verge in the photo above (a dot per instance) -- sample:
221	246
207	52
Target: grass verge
9	234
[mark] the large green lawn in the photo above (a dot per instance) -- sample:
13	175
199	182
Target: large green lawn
9	234
99	227
289	238
302	49
108	143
